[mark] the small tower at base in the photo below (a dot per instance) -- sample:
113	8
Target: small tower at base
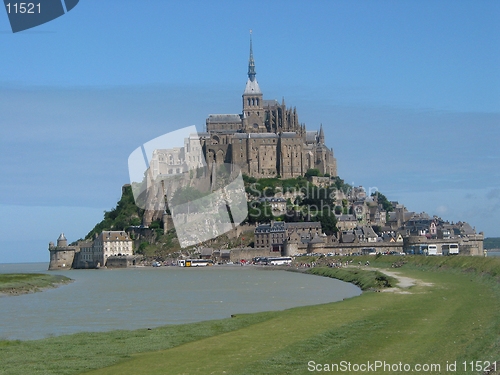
62	256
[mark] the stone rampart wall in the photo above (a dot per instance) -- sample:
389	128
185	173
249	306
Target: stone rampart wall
471	245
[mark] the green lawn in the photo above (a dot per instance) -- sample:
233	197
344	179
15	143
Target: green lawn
455	319
450	315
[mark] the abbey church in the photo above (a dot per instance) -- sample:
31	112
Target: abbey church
266	139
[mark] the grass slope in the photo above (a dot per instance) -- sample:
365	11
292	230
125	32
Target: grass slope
21	283
455	318
74	354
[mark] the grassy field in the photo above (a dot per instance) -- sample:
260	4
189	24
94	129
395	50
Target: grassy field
451	314
21	283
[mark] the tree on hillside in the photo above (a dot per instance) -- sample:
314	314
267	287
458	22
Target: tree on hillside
249	179
382	199
259	212
125	214
341	185
328	222
319	197
345	204
312	172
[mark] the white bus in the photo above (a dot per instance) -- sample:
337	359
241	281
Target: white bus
450	249
432	250
195	262
279	261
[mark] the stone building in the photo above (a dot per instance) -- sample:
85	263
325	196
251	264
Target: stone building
111	243
110	249
273	236
270	236
265	140
86	257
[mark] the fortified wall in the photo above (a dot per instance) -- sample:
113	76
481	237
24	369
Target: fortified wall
248	253
469	245
315	248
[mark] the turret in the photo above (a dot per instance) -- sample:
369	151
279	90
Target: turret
321	137
62	241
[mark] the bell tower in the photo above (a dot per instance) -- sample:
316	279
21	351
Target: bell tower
253	110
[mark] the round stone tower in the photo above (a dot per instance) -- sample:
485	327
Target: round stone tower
62	255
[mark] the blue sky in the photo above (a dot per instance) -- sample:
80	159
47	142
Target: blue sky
408	93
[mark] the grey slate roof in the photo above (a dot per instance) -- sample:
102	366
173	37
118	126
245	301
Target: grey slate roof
224	131
241	135
348	237
206	251
317	239
278	226
369	232
270	103
229	118
263	135
306	224
254	135
252	87
311	135
467	229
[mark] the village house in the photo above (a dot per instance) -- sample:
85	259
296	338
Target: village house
111	243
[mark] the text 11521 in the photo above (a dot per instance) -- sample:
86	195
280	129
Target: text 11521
22	8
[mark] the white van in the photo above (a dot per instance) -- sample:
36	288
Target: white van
432	250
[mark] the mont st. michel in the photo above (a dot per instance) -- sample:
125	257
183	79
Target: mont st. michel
297	203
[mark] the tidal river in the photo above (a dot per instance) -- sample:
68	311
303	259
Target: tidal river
106	299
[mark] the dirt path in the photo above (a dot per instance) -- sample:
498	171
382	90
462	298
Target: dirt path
404	282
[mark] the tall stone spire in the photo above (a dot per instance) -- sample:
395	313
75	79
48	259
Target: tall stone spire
321	134
251	62
253	103
252	87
